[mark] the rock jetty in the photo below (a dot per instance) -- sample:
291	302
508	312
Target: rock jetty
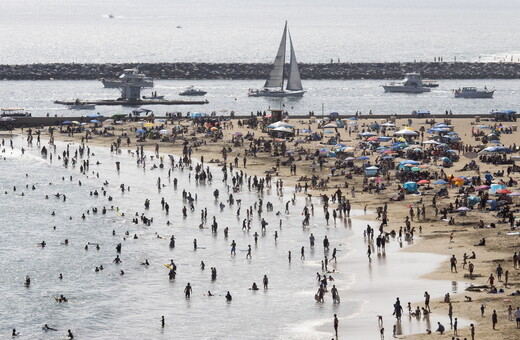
431	70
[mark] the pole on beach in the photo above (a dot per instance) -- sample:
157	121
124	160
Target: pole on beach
322	111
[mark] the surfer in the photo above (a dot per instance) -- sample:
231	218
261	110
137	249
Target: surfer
233	247
265	280
47	328
228	297
27	281
248	255
117	260
15	333
70	335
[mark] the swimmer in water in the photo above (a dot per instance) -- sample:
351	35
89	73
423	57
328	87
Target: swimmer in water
47	328
228	297
27	281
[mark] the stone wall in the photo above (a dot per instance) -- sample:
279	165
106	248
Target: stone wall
432	70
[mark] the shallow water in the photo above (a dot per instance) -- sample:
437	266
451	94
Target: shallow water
130	306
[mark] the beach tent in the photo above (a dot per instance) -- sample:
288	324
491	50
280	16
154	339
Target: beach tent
279	124
496	187
411	187
371	171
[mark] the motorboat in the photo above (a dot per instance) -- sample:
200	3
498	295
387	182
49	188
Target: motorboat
412	83
191	91
130	76
14	112
274	85
473	92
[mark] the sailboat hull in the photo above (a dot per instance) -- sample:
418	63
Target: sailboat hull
275	93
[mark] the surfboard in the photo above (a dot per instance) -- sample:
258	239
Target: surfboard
201	247
169	266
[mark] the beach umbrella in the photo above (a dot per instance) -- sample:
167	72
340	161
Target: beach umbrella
409	161
406	132
237	133
388	124
75	122
94	115
279	140
66	122
423	181
415	169
367	134
431	142
328	131
350	159
329	125
463	209
140	130
482	187
504	191
305	131
214	128
440	182
372	139
424	166
363	158
458	181
148	125
387	157
95	121
515	193
384	138
164	132
279	124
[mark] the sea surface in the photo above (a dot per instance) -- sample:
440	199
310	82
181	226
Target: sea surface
105	304
99	31
224	96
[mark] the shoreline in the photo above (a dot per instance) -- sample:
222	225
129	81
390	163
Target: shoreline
435	235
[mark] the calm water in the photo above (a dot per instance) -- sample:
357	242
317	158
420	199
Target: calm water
237	31
130	306
345	97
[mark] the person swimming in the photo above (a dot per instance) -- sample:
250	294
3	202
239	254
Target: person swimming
47	328
229	297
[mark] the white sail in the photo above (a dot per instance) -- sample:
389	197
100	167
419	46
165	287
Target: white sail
294	82
276	77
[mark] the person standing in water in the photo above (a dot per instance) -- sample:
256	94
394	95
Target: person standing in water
266	282
187	291
336	324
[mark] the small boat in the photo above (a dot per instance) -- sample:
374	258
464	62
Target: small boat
14	113
473	92
82	106
429	83
273	86
154	96
191	91
412	83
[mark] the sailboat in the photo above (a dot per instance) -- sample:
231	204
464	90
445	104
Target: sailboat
274	84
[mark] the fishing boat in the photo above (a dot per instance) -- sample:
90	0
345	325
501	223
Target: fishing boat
412	83
473	92
191	91
130	76
274	85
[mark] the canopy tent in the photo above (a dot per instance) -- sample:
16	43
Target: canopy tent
406	132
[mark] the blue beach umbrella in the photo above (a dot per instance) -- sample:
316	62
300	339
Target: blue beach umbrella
140	131
440	182
95	121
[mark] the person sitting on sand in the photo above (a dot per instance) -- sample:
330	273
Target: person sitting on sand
254	287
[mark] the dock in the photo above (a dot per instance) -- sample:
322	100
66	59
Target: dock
126	102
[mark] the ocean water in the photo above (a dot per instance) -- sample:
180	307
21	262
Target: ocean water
105	304
224	96
249	31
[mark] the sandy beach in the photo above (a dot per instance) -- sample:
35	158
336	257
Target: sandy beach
440	236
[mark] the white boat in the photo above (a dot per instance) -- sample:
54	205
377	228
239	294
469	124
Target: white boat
130	76
473	92
82	106
412	83
274	85
191	91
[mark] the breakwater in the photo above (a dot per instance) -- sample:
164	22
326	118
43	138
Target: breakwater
432	70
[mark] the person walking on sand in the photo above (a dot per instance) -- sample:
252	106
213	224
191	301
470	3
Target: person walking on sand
455	326
472	331
336	324
517	316
369	252
453	264
471	267
494	318
427	301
